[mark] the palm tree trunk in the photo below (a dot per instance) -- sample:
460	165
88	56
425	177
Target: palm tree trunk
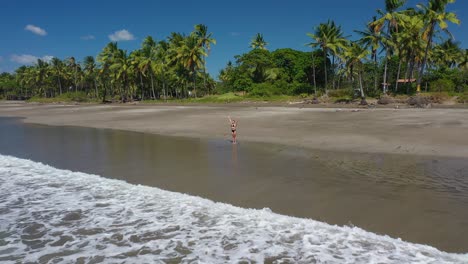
398	76
194	83
204	75
165	91
76	85
142	90
375	72
95	89
152	85
384	85
325	66
105	93
360	85
60	85
429	42
333	71
410	74
313	73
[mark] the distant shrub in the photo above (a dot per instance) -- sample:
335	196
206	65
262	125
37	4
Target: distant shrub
463	98
343	100
439	97
264	90
340	93
442	85
301	88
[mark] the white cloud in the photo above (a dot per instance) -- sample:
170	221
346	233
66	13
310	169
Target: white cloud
1	58
88	37
29	59
36	30
121	35
234	34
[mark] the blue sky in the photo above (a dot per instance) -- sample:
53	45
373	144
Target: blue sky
62	28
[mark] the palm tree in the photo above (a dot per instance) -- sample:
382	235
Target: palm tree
329	37
389	19
74	68
408	44
371	38
90	71
435	14
122	65
58	70
21	73
148	49
258	42
205	41
354	55
448	53
191	54
106	58
464	60
137	58
41	73
161	64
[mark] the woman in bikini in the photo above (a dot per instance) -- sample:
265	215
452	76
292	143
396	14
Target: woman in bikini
233	124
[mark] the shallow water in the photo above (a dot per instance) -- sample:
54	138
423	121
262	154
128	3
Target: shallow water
418	199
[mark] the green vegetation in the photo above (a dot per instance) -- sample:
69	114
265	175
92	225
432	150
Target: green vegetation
399	52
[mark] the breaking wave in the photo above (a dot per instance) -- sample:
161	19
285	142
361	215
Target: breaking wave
47	214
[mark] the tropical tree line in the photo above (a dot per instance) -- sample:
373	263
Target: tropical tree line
401	50
170	68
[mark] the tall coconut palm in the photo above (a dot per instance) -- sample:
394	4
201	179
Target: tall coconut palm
389	20
258	42
41	73
191	54
161	64
328	37
58	71
21	73
73	66
371	38
407	44
148	54
206	40
464	60
90	71
106	58
354	56
435	14
122	67
136	59
448	53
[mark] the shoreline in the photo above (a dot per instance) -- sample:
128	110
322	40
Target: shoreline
432	132
407	131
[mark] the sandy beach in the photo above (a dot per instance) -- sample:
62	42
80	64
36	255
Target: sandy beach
400	172
437	132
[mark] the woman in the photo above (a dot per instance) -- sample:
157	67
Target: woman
233	124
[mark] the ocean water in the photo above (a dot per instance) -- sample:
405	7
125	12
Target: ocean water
48	215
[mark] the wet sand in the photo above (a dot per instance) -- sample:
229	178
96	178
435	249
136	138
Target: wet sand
439	132
387	190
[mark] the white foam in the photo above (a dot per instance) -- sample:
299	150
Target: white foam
114	221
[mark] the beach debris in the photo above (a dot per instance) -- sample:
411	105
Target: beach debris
419	101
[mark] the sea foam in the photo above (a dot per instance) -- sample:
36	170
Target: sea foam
47	214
